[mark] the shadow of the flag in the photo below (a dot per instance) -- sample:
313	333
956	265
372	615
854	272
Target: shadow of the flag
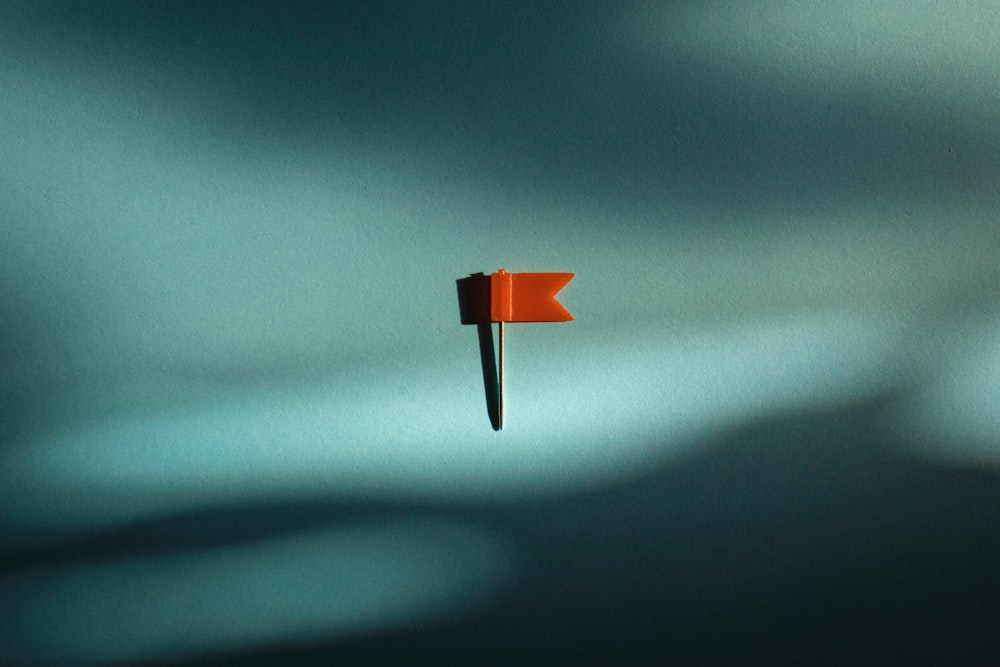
474	308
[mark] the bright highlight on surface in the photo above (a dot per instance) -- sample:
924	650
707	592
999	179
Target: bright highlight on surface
602	411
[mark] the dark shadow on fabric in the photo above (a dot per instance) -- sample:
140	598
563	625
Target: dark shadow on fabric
534	98
807	538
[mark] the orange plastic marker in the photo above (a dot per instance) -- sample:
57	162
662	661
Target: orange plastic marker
525	297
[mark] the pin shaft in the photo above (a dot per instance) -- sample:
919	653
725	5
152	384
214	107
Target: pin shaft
500	382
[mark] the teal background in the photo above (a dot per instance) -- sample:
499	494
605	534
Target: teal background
240	416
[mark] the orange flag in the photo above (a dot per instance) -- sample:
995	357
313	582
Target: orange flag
527	297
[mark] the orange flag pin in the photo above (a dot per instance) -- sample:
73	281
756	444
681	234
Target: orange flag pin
507	297
527	297
524	297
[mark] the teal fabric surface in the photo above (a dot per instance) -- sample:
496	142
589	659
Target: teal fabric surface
241	417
